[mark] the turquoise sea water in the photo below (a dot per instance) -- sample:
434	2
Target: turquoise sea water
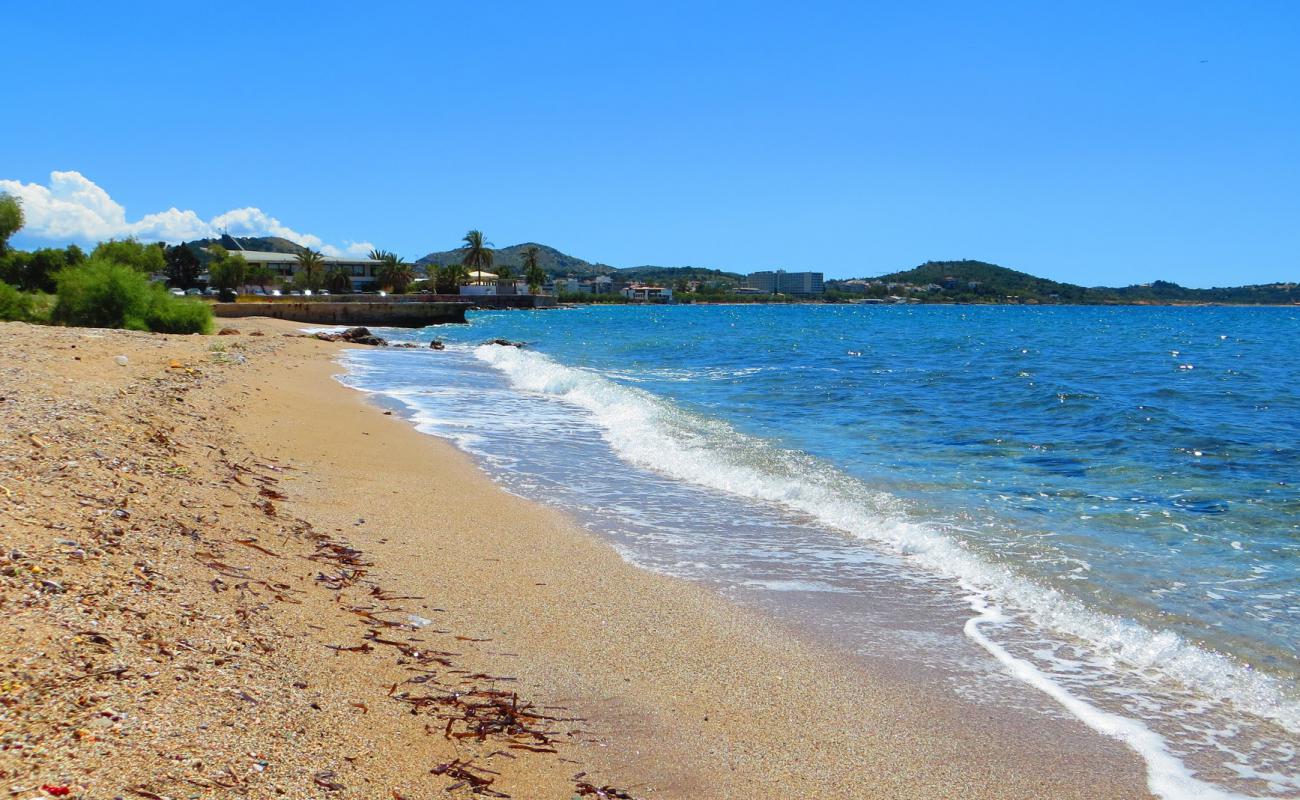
1094	506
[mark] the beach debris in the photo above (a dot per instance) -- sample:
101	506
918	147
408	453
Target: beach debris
325	780
228	332
133	565
467	773
122	361
584	789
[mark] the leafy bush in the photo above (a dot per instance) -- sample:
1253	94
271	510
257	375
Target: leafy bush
14	305
105	294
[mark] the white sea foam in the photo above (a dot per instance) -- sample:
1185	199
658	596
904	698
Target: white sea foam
653	433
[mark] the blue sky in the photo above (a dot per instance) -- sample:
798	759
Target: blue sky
1099	143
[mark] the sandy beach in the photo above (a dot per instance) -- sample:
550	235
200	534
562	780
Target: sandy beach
225	574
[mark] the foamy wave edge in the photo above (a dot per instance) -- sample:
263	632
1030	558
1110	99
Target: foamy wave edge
652	432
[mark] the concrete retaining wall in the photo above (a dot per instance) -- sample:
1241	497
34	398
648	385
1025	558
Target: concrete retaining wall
383	314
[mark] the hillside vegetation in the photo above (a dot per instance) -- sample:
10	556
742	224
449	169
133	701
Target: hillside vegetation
548	258
979	281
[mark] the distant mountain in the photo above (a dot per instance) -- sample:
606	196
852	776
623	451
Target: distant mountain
559	264
988	279
669	275
981	282
550	259
266	244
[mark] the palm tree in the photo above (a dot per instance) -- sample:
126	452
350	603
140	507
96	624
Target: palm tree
338	281
478	253
533	272
448	279
311	264
394	273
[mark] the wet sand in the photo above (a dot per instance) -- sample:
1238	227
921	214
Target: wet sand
659	687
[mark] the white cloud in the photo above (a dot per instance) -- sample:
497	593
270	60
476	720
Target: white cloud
73	207
349	249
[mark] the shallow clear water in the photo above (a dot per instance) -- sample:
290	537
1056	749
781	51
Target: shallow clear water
1097	504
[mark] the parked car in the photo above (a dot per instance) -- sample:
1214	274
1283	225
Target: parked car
323	292
193	292
211	291
295	293
275	292
178	292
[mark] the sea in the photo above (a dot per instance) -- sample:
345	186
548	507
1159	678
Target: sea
1086	512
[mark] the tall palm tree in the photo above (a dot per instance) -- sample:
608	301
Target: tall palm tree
533	272
311	265
478	253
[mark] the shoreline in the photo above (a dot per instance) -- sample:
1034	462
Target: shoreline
680	693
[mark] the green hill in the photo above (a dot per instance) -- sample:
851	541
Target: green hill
550	259
984	279
266	244
559	264
670	275
981	282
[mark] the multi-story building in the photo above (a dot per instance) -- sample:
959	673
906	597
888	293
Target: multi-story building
285	266
782	282
648	294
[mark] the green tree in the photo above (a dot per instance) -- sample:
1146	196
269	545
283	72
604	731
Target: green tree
478	253
147	258
311	269
42	266
74	255
182	266
338	281
448	279
11	219
261	275
230	271
394	273
533	272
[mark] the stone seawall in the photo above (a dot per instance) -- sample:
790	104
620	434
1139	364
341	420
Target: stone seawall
382	314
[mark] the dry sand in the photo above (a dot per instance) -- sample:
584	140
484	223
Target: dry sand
237	543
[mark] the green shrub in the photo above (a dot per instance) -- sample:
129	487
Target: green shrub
169	314
105	294
14	305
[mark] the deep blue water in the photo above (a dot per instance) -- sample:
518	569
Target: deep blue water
1104	496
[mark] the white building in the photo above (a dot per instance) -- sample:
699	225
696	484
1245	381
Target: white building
648	294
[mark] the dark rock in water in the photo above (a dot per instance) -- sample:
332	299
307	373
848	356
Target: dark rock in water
405	345
505	343
354	335
437	345
228	332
